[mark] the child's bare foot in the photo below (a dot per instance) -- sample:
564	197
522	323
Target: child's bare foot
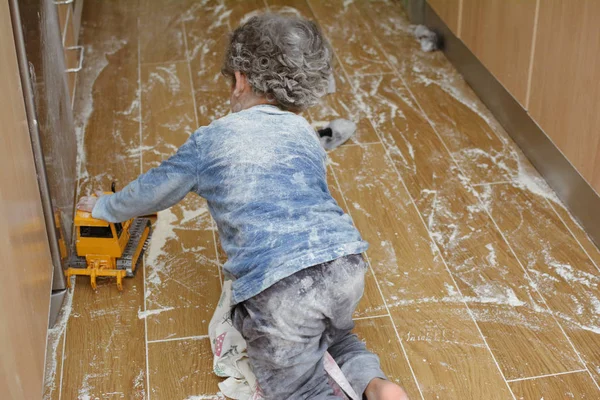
380	389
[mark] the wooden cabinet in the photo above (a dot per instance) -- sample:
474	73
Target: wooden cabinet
26	264
500	34
449	11
565	82
546	54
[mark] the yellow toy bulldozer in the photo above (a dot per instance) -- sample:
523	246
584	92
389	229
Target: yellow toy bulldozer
108	249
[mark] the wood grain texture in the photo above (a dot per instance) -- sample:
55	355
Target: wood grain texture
105	344
427	119
107	100
582	237
207	30
183	285
448	11
380	337
559	268
53	367
371	303
355	46
27	280
182	369
441	337
483	150
578	385
168	115
161	36
564	98
473	249
500	34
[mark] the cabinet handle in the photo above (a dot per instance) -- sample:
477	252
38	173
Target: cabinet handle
63	1
78	68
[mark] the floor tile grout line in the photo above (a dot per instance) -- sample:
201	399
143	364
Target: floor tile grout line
494	183
551	312
371	317
488	213
392	72
499	230
496	225
141	140
449	271
62	362
376	40
482	205
154	63
193	93
177	339
529	378
343	67
386	149
381	293
144	275
573	234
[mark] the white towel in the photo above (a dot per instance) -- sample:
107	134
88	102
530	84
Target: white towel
231	360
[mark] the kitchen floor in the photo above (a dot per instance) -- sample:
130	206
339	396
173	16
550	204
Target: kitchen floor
481	286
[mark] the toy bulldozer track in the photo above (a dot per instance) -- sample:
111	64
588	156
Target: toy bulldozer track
108	249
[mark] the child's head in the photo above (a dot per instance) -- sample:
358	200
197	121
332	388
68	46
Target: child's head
281	60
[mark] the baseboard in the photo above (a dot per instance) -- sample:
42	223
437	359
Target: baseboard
579	197
56	300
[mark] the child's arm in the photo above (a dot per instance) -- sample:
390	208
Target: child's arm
156	190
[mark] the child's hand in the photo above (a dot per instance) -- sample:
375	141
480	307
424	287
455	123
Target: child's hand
87	203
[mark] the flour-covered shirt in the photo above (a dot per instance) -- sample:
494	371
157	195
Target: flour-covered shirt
263	174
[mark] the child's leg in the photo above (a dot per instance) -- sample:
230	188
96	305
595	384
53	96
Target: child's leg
286	355
289	327
358	364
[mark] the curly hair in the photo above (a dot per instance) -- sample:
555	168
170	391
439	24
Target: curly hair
284	58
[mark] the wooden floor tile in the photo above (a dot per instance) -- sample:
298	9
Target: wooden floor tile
498	291
413	277
105	352
559	387
182	369
417	152
107	102
182	285
167	111
580	235
353	43
476	140
53	367
241	10
161	36
181	44
371	303
291	7
207	31
380	337
561	271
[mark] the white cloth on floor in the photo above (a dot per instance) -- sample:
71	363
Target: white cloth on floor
231	360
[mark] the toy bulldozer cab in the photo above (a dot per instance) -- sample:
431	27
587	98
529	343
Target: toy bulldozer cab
108	249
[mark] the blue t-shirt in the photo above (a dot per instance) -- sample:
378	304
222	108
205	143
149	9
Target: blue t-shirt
263	174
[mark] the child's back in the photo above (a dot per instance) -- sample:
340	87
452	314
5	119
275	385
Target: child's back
263	173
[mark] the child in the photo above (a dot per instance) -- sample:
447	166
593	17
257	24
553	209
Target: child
295	256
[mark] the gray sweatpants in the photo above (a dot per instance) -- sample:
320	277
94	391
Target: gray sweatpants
289	327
